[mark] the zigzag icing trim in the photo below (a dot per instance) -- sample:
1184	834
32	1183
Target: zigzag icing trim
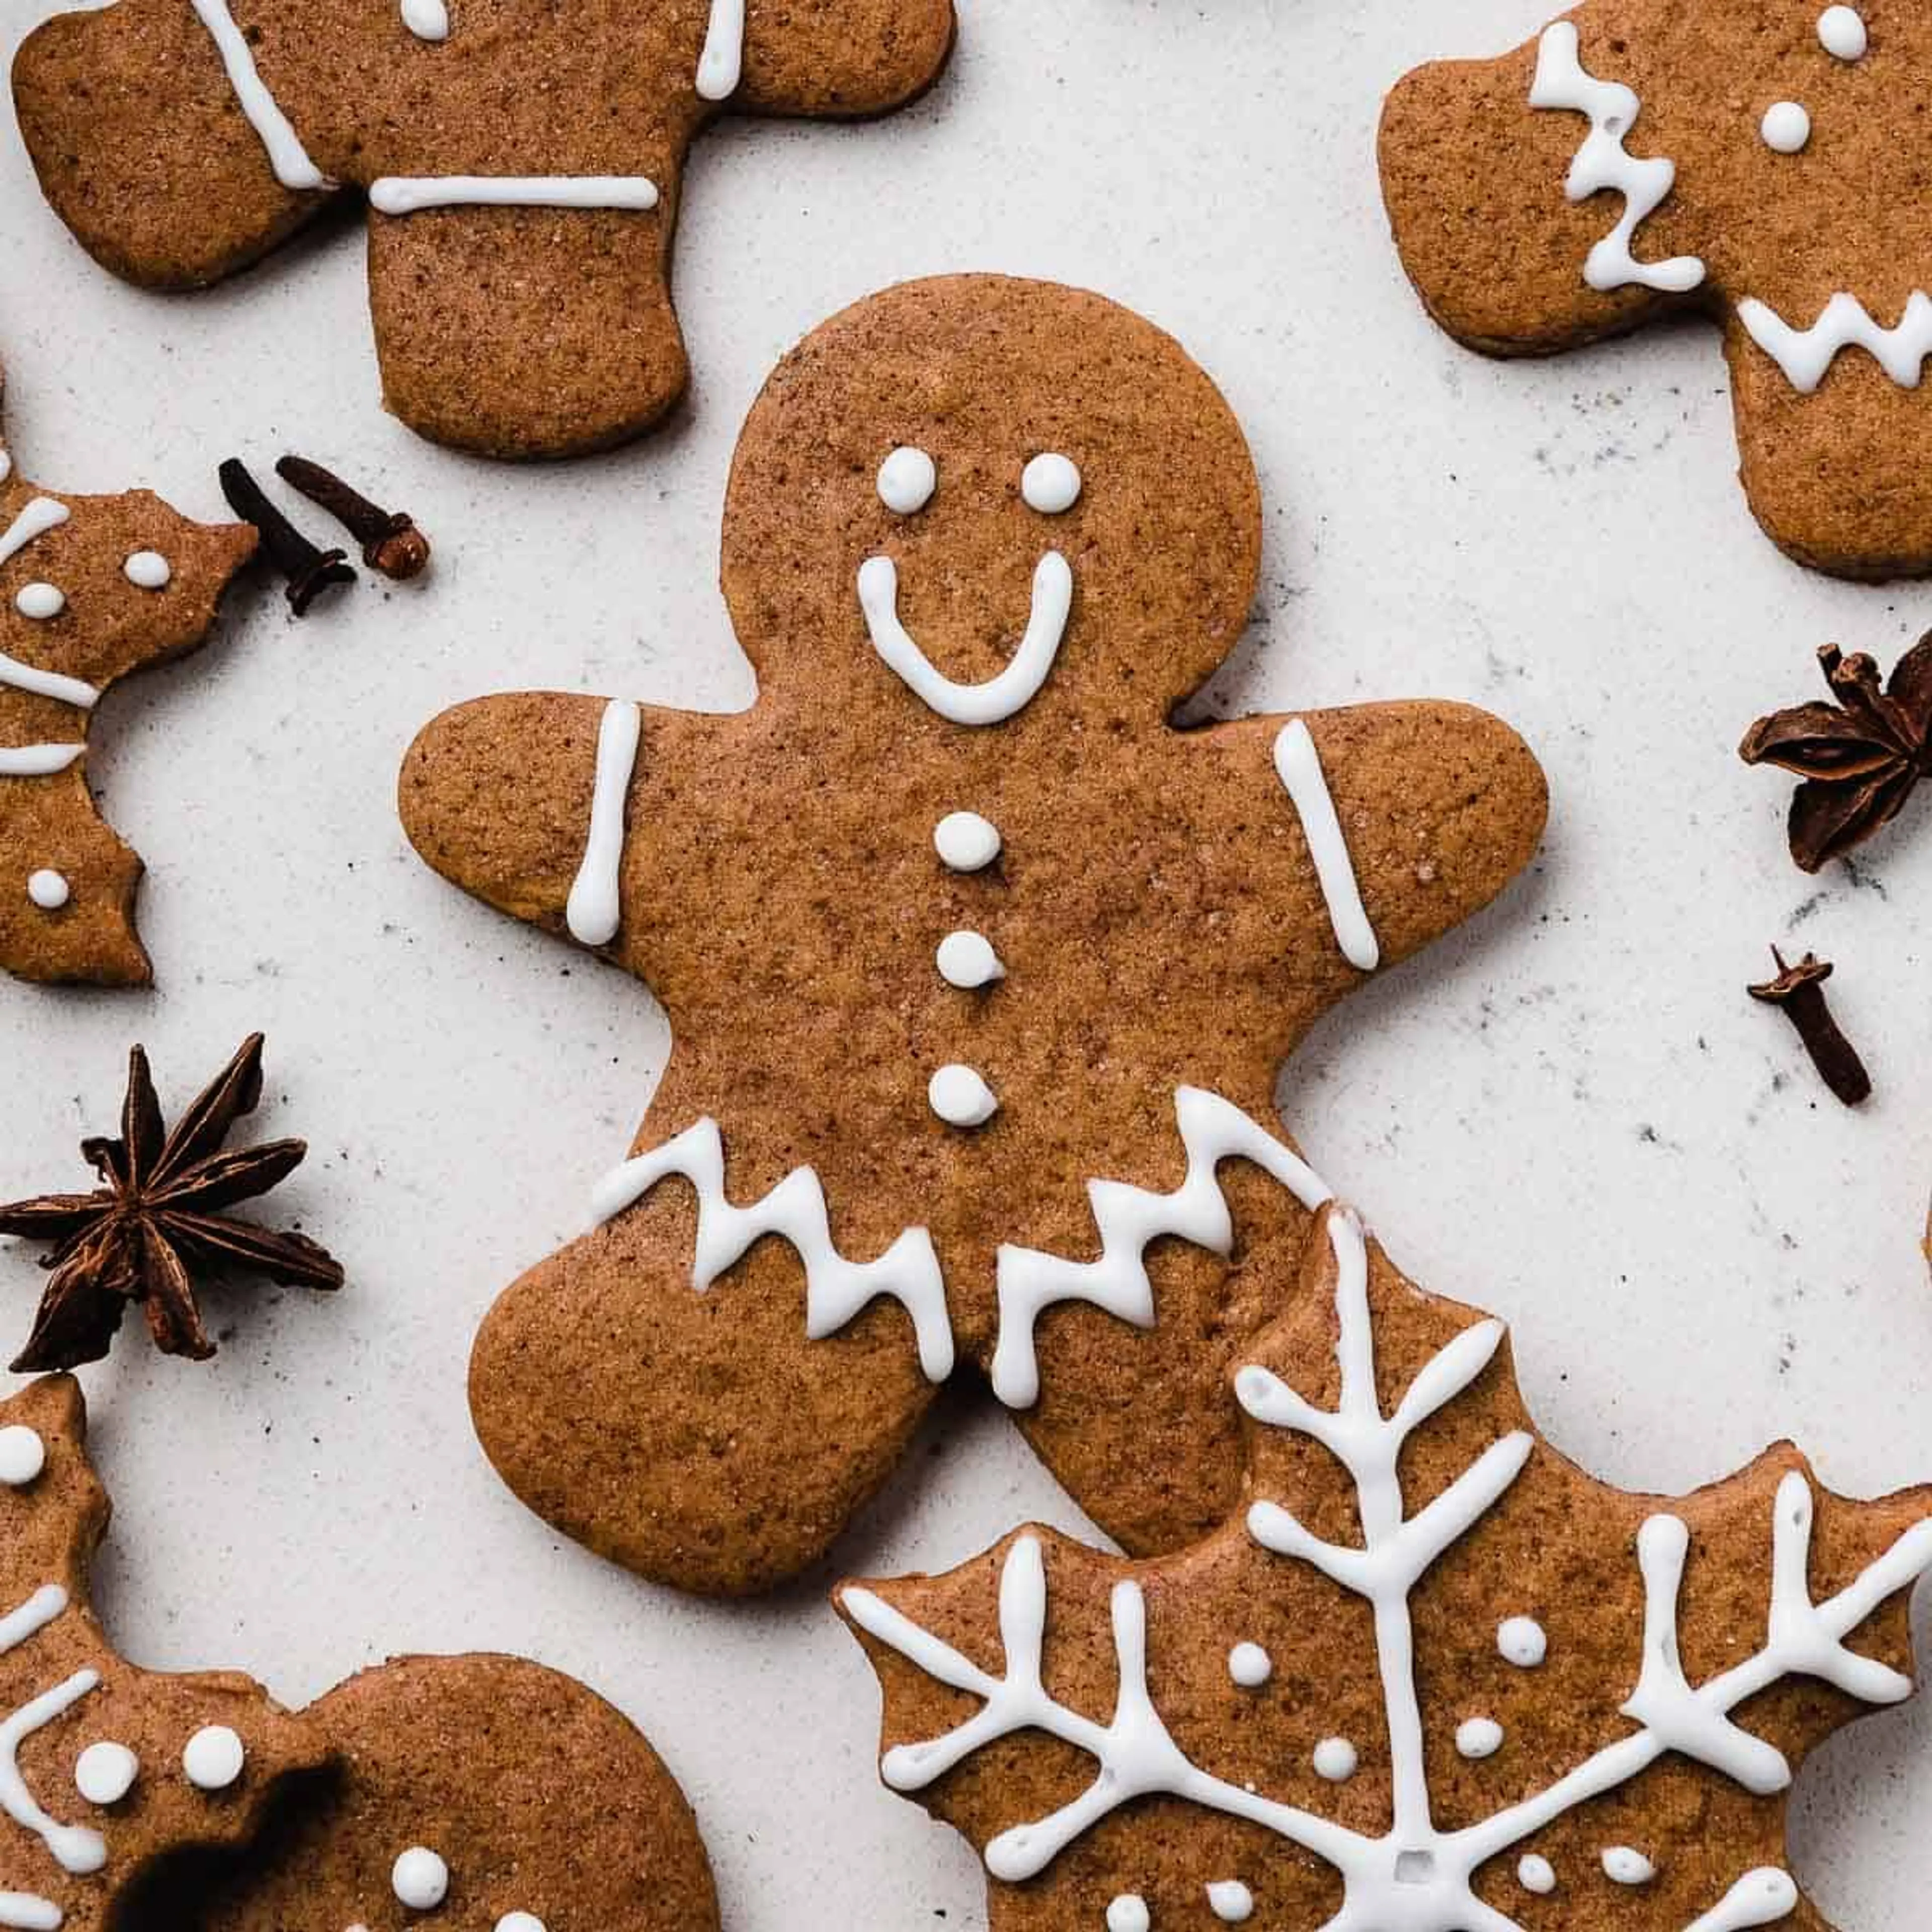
1804	354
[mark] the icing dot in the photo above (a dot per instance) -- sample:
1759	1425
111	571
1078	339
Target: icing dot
148	570
1841	31
48	890
40	601
1522	1642
1050	484
1335	1760
213	1758
1231	1901
961	1098
427	20
1785	127
906	480
419	1879
965	841
1626	1867
22	1455
1479	1737
7	462
967	960
519	1921
1128	1913
105	1772
1535	1874
1250	1666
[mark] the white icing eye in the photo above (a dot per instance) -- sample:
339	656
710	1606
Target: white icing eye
1335	1760
148	570
22	1454
419	1879
1786	127
104	1773
1623	1866
213	1758
1535	1873
1841	32
1128	1913
40	601
49	891
1479	1737
519	1921
1050	484
906	480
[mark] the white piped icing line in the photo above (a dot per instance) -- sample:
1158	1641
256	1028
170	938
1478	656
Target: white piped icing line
595	909
722	65
36	761
999	697
1804	354
1130	1219
286	155
23	1455
49	890
1231	1901
966	842
1841	33
47	684
836	1289
1413	1875
1602	163
34	522
419	1878
1298	765
24	1911
427	20
1760	1897
213	1758
960	1096
105	1772
76	1849
410	194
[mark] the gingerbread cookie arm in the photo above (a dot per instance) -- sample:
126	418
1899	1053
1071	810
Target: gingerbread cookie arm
830	57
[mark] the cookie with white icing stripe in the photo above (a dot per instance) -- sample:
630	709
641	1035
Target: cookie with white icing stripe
1755	161
91	590
1499	1695
522	161
965	947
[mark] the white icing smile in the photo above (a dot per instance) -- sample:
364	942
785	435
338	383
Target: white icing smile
998	698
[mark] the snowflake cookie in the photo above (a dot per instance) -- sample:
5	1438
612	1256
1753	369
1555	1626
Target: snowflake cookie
522	163
91	589
979	968
1431	1675
1756	162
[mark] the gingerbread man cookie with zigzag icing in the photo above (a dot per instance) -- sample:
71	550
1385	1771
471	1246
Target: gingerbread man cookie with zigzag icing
979	966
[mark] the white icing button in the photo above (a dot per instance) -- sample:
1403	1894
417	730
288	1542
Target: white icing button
961	1098
1535	1873
1335	1760
6	465
419	1879
907	477
105	1772
213	1758
967	960
40	601
48	890
965	841
1128	1913
1841	31
1050	484
1231	1901
1626	1867
427	20
1785	127
148	570
519	1921
1479	1737
1522	1641
22	1455
1250	1666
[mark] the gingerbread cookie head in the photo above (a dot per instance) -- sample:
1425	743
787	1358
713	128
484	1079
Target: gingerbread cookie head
91	589
1429	1676
1757	162
522	164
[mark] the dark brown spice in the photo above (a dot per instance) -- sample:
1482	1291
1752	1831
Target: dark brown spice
1799	990
390	542
309	570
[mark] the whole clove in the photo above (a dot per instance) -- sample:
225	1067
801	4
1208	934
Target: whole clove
391	544
1798	991
309	569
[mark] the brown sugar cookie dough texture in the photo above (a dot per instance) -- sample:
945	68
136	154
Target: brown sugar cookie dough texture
1756	160
979	970
523	162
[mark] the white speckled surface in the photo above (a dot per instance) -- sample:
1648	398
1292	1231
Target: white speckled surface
1572	1116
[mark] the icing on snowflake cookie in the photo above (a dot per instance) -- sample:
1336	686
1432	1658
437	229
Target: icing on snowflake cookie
980	968
1756	162
1502	1696
522	163
103	1768
91	589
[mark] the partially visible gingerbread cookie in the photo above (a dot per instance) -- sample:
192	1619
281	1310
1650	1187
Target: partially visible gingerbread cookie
522	161
1755	161
1431	1676
91	589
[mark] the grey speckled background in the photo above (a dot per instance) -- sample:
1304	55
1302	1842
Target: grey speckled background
1572	1116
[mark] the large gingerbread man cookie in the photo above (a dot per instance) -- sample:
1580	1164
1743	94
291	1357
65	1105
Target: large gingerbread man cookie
979	968
91	589
522	161
1431	1677
1756	161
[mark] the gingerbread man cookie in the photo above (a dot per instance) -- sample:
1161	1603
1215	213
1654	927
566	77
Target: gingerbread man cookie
1755	161
1431	1676
523	162
979	969
91	589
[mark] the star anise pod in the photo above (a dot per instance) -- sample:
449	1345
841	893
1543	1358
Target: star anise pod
1859	758
158	1220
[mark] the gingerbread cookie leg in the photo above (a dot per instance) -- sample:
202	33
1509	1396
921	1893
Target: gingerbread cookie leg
834	57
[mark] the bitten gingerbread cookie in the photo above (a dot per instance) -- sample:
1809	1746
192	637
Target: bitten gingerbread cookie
979	969
1757	160
523	162
1431	1676
91	589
